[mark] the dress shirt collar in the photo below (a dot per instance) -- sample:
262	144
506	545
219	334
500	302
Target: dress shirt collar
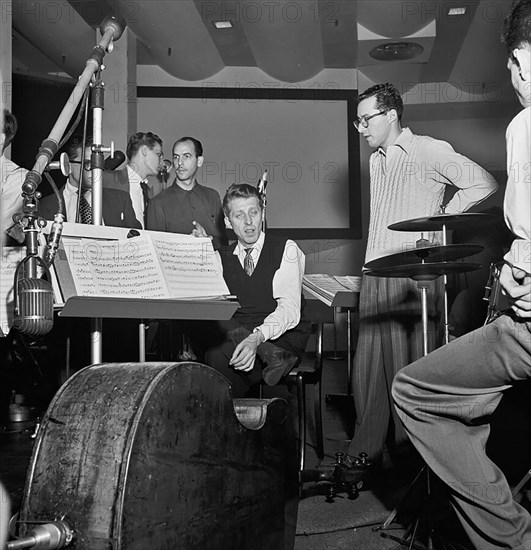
239	250
134	177
403	141
71	190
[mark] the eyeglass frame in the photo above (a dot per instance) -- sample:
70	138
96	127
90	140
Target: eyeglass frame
86	163
364	121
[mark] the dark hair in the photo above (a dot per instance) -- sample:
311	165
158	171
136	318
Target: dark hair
387	97
10	128
141	138
75	143
240	191
517	26
198	146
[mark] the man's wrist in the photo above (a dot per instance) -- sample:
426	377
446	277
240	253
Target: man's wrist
259	335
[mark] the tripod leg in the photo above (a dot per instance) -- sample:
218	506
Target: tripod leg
521	483
394	512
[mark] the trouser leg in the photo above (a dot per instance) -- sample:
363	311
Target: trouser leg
390	337
368	382
444	401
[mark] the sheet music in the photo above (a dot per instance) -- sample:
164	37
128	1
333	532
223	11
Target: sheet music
350	282
152	265
79	264
326	287
126	267
190	265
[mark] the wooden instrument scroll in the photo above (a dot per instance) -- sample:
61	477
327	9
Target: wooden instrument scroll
154	455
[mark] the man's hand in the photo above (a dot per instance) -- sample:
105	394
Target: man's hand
516	286
245	353
199	230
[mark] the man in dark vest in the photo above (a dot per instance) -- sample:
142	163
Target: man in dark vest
265	338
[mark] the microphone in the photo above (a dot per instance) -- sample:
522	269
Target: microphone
262	184
111	163
165	167
33	302
114	23
62	164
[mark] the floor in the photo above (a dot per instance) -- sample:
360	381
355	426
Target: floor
16	441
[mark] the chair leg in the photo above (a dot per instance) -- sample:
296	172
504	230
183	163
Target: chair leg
317	394
318	415
301	403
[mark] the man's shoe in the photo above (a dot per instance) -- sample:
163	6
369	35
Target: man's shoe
278	362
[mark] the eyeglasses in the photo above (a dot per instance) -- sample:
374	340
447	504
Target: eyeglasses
364	120
86	164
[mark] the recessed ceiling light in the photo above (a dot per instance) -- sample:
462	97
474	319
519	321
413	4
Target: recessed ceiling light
223	24
396	51
457	11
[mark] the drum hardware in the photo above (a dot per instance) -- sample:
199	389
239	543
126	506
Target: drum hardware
346	476
423	273
431	254
443	222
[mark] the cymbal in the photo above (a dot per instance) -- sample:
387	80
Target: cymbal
429	254
436	222
424	272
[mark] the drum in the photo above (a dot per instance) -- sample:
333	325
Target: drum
154	455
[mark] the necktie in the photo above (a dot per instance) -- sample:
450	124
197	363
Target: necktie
145	195
248	263
85	210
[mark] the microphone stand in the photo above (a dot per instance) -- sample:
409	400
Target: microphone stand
111	29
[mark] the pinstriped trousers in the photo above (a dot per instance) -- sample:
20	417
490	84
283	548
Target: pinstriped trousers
390	337
445	400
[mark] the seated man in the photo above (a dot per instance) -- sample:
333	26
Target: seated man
265	273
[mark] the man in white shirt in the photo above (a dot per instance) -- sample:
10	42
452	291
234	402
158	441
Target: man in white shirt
265	338
144	154
445	399
12	176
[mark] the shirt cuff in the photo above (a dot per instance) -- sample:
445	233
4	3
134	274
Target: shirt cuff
520	255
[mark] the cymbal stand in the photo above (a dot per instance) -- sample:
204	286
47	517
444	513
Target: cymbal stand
445	284
411	533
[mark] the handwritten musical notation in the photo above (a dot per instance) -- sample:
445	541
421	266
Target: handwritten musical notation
152	265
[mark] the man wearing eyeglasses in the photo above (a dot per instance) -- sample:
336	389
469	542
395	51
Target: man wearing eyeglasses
117	209
409	177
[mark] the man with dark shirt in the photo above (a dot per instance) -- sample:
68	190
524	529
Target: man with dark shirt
188	207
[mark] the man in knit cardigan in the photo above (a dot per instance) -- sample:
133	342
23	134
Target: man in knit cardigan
265	337
409	175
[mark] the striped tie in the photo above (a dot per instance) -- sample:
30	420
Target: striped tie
85	210
248	264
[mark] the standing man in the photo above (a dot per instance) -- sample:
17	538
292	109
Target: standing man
144	158
265	337
408	178
445	398
12	177
116	205
187	206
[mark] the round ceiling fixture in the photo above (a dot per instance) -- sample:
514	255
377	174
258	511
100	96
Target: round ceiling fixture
396	51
